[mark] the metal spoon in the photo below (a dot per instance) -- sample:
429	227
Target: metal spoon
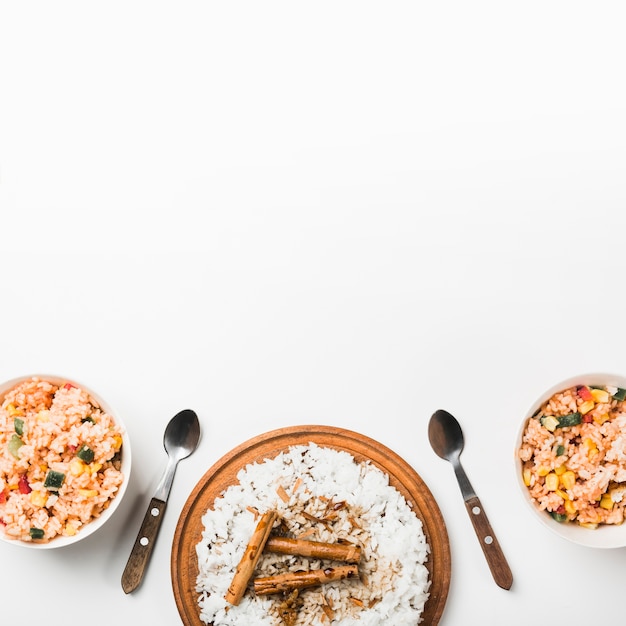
180	440
446	439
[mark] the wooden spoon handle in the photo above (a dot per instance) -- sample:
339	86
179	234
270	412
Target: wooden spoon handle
491	548
142	549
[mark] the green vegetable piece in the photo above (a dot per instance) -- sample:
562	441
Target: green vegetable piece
36	533
19	426
89	419
559	517
14	445
54	480
572	419
550	422
560	451
85	453
620	394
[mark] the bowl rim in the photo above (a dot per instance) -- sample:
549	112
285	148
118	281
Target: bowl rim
605	536
126	465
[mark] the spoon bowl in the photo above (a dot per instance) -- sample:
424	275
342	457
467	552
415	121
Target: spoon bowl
182	434
445	434
180	439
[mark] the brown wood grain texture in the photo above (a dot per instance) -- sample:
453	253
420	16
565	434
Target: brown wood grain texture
223	474
142	548
498	565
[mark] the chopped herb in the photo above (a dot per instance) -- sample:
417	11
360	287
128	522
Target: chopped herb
560	451
559	517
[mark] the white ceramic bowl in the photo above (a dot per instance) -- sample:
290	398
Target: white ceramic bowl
604	536
126	462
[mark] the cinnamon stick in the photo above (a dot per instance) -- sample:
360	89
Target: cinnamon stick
250	558
315	549
298	580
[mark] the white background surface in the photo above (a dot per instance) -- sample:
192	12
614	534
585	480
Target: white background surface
340	213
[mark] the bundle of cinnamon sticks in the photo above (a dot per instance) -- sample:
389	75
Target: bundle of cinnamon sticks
262	541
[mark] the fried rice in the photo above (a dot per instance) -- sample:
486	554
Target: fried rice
60	460
573	455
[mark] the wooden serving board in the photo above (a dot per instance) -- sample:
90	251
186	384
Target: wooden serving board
223	474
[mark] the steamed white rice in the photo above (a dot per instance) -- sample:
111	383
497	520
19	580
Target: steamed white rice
394	581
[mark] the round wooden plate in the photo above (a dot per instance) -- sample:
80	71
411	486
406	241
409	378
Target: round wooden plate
223	474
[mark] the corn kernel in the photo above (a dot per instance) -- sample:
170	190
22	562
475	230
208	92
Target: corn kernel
13	486
552	482
88	493
585	407
606	502
543	471
600	419
94	468
560	470
13	411
590	445
70	530
117	441
77	467
599	395
590	525
568	479
562	493
38	498
43	415
526	475
570	507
